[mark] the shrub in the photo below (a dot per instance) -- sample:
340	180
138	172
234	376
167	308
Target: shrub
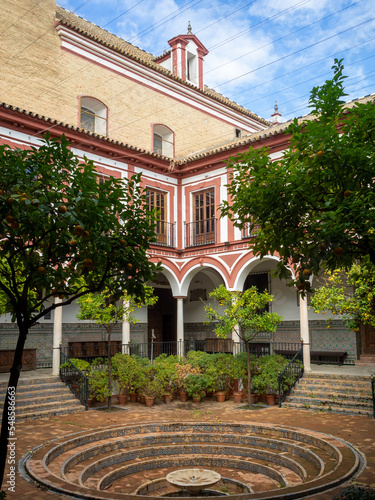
354	492
81	364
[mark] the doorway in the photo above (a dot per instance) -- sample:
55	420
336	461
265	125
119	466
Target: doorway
162	321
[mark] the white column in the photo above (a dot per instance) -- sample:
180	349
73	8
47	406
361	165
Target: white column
125	339
305	334
180	324
57	338
236	341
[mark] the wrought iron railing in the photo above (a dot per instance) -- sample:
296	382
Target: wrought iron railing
373	394
75	379
290	375
165	234
203	232
247	233
93	350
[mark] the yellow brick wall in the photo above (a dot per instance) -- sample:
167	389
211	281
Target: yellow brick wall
38	76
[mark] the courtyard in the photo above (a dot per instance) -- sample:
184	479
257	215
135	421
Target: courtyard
358	431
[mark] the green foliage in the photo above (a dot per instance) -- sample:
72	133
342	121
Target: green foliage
81	364
356	306
58	224
314	205
266	378
354	492
98	385
240	312
196	385
152	388
108	308
129	372
166	371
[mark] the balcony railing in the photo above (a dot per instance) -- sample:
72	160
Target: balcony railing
165	234
247	233
203	232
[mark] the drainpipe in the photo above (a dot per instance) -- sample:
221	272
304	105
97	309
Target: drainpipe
305	334
57	338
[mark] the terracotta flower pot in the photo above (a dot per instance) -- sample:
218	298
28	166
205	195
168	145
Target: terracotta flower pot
197	399
183	396
133	397
237	397
90	402
149	400
167	398
271	399
122	398
220	396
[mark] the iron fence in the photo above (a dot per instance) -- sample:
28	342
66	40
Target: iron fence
373	394
75	379
92	350
290	375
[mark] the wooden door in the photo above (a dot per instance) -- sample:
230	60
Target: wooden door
368	339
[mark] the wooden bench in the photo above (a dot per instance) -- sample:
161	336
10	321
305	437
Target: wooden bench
318	357
7	356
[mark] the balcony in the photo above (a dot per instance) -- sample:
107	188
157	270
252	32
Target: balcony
165	234
203	232
246	233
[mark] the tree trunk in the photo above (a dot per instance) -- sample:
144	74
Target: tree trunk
248	377
6	424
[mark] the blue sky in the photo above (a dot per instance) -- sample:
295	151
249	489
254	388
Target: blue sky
260	51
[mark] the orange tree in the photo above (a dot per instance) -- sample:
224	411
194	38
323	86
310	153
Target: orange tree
315	205
243	313
109	308
58	224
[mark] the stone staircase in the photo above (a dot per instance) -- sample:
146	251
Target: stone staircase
345	394
41	397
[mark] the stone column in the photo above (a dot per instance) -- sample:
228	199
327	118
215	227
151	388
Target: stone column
236	341
305	334
180	325
57	338
125	338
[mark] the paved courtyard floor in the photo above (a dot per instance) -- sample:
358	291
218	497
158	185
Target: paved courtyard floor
359	431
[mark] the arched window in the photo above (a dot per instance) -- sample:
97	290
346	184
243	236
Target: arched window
163	141
93	115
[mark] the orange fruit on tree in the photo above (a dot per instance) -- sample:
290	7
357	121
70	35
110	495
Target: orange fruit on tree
338	251
62	209
129	266
78	230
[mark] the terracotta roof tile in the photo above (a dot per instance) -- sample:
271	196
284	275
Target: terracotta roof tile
113	42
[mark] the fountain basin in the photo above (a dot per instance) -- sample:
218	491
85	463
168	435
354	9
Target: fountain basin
193	480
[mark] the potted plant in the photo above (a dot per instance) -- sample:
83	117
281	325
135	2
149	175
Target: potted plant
166	372
266	380
183	370
128	372
98	385
151	389
238	373
196	386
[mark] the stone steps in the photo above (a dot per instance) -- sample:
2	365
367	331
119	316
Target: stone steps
346	394
42	397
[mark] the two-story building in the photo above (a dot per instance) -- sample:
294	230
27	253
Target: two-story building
130	111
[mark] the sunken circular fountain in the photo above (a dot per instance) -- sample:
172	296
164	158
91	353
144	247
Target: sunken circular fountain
134	461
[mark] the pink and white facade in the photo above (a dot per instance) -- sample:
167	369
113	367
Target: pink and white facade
179	135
